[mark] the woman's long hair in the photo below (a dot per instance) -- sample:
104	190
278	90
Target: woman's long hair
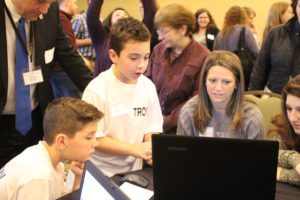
211	24
236	15
282	124
234	108
274	17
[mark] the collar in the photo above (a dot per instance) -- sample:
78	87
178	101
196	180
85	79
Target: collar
13	11
292	24
169	49
65	14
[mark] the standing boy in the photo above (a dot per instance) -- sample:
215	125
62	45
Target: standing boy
38	172
128	99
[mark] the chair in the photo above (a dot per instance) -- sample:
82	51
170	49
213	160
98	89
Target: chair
269	105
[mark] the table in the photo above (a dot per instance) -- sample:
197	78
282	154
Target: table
283	191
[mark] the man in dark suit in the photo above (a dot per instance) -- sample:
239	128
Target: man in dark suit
44	43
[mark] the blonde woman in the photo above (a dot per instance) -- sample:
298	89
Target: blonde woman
251	15
278	58
279	13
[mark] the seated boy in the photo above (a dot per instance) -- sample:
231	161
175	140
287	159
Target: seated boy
128	99
38	172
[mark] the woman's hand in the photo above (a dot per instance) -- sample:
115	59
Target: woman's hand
297	168
278	173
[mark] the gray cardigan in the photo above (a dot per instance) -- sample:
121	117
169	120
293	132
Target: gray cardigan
219	126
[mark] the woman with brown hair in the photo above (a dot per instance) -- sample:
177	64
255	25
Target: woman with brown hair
287	132
279	13
251	15
220	109
176	62
227	39
235	22
206	29
278	60
99	31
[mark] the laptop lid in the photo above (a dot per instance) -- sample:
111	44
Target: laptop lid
95	185
186	167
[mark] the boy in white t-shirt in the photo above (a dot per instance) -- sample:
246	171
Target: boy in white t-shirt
38	172
128	100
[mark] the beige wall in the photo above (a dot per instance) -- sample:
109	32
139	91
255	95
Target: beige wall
217	8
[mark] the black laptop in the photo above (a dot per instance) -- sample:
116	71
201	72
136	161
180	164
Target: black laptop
95	185
186	167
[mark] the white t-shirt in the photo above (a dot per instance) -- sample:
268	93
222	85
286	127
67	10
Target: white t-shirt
31	175
130	111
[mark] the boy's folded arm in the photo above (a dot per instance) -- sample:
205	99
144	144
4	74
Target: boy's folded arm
113	146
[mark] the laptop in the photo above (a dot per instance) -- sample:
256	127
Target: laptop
186	167
95	185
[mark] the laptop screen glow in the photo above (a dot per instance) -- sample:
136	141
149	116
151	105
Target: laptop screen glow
95	185
93	190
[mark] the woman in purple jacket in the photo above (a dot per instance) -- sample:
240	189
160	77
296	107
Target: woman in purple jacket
99	31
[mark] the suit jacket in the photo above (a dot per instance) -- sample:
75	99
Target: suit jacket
48	34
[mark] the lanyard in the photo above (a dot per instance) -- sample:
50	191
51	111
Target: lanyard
30	49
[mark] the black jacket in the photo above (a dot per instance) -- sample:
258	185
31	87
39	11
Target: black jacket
48	34
210	35
277	60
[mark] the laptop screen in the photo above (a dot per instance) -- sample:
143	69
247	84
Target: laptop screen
95	185
213	168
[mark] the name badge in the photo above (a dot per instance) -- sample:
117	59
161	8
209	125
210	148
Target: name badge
33	77
49	55
119	109
210	36
209	132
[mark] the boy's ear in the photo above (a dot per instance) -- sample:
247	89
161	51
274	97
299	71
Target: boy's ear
113	56
60	141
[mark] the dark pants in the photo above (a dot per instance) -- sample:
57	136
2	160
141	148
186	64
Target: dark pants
62	86
12	142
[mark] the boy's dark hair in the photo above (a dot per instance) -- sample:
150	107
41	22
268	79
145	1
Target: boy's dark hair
127	29
68	115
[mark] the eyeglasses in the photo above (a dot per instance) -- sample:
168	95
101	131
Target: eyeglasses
202	17
163	31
